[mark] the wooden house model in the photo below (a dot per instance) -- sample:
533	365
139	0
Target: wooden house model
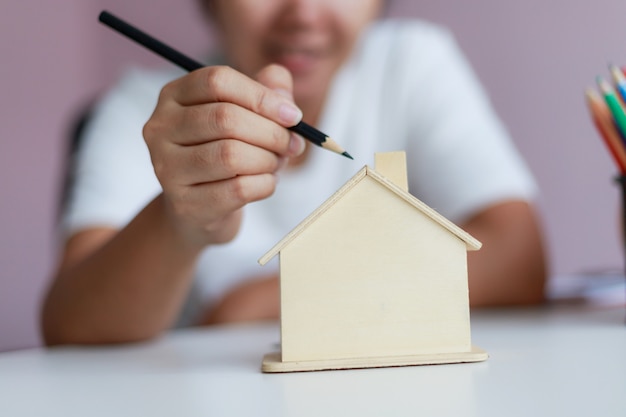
373	277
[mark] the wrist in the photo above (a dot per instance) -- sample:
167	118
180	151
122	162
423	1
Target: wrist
181	236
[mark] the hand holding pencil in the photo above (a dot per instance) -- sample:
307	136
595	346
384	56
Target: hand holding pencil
306	131
216	139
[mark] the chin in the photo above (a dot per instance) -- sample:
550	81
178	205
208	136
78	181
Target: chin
311	87
306	94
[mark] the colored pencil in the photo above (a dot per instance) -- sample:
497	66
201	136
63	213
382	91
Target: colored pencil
619	117
620	82
306	131
604	123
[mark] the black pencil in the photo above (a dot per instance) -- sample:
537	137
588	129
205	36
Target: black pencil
306	131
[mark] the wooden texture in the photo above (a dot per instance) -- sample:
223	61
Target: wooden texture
272	361
374	273
392	165
470	241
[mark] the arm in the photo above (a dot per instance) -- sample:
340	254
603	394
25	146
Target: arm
510	267
215	139
257	299
119	286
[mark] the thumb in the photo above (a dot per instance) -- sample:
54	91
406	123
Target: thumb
277	78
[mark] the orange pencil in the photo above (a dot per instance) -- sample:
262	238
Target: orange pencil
604	123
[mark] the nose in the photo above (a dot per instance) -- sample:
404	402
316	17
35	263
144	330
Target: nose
304	11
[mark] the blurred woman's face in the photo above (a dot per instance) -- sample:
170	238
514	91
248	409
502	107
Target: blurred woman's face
312	38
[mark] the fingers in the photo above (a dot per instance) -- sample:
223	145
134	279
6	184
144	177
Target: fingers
201	151
228	110
203	123
239	191
216	138
223	84
214	161
279	79
221	199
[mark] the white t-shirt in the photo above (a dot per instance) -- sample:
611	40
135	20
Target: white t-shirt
407	87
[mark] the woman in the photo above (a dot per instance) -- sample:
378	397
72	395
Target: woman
137	243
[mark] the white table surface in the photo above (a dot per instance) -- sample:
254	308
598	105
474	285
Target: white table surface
565	361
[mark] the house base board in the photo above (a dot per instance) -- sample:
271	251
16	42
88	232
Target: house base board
272	362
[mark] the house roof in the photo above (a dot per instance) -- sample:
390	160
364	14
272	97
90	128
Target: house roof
470	242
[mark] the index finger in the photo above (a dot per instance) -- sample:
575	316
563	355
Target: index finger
224	84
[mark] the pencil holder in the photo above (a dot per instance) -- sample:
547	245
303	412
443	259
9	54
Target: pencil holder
621	181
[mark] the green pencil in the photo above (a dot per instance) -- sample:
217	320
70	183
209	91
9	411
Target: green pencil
619	116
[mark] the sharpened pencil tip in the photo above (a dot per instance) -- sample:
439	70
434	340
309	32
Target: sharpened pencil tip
347	155
604	85
618	75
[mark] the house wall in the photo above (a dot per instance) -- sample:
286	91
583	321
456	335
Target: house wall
373	276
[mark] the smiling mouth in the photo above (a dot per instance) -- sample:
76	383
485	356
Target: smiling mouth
297	60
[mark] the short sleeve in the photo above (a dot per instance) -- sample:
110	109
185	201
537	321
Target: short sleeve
113	175
462	157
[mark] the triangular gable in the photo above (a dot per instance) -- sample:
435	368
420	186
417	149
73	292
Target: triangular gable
470	242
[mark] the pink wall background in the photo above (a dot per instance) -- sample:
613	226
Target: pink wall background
535	58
